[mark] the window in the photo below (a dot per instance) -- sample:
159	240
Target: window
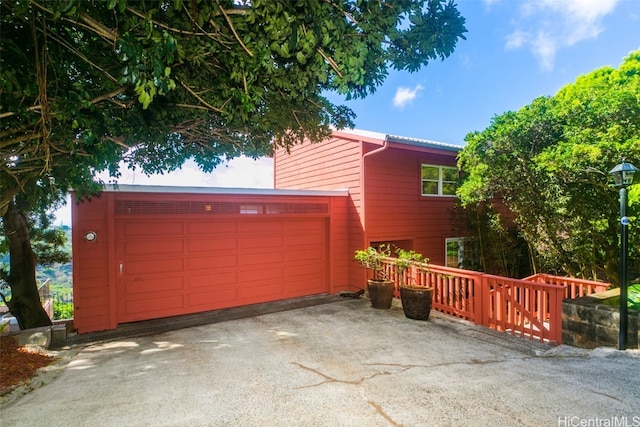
251	209
454	252
439	180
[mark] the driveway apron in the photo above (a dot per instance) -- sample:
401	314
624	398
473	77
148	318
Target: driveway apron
337	364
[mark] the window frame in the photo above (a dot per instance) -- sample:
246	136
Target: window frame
441	182
460	242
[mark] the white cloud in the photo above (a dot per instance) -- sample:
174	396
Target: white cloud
547	26
405	95
489	3
517	39
544	47
241	172
465	61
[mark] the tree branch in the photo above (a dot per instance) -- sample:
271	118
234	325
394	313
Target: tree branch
8	142
345	13
234	30
199	98
98	28
11	113
219	40
109	97
70	48
105	97
330	61
161	25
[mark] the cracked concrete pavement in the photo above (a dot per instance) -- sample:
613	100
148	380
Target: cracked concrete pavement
337	364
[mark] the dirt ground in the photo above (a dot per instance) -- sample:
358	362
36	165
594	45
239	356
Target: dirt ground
19	363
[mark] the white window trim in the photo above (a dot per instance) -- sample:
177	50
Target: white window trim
440	180
460	241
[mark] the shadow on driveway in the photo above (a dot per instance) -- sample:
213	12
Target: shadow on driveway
336	364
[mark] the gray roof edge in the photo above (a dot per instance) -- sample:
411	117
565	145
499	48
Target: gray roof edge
423	143
128	188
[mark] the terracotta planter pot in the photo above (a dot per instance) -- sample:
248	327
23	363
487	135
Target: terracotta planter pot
380	293
416	302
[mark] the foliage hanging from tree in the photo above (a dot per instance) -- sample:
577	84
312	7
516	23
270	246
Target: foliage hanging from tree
86	84
549	163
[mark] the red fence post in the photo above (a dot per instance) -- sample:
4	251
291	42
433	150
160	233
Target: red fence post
555	313
481	308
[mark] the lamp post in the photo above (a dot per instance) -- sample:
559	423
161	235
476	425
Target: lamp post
623	177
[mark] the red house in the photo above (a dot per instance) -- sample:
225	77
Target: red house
145	252
401	190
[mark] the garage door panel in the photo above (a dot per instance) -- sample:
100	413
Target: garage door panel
152	267
150	248
220	299
157	304
153	286
306	287
216	280
258	275
302	240
258	227
211	264
257	243
309	269
311	226
293	256
151	229
161	307
218	244
259	259
217	227
266	290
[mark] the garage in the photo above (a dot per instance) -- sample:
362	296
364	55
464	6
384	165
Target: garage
167	253
178	266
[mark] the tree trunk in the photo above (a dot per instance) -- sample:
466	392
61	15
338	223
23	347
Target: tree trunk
25	302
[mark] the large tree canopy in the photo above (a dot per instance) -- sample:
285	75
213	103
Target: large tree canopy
86	84
549	163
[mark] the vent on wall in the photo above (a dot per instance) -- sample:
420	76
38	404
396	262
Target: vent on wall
180	207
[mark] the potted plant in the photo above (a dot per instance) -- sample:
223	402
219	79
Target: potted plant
416	300
379	288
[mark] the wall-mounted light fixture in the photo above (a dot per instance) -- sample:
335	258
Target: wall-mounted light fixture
90	236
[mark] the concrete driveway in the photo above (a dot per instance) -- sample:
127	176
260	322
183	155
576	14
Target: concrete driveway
337	364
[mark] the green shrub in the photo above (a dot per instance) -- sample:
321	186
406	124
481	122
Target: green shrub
62	310
633	296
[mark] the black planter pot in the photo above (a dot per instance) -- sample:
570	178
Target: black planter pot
416	302
380	293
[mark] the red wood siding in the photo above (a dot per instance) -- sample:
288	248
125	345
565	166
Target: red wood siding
160	254
396	210
92	300
329	165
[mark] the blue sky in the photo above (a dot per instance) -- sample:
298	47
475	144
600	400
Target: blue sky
515	51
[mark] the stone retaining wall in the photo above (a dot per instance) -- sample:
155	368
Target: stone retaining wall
589	323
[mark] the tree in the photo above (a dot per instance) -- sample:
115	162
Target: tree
46	245
492	242
88	84
549	163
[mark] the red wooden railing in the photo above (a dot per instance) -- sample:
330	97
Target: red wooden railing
574	288
524	308
529	308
